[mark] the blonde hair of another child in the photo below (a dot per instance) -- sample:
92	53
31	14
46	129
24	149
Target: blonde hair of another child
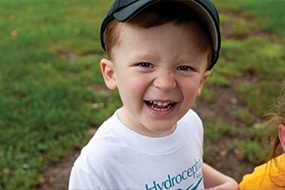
277	118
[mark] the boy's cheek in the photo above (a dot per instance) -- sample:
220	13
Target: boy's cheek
282	135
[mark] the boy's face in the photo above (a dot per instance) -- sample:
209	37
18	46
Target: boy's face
159	72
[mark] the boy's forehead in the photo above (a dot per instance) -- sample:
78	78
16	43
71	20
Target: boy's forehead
122	10
157	45
191	32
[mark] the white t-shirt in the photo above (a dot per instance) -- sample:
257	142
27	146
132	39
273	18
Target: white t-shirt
117	158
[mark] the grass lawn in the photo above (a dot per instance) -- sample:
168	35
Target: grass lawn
269	13
49	58
252	62
52	90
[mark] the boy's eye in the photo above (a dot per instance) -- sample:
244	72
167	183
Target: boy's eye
145	64
184	68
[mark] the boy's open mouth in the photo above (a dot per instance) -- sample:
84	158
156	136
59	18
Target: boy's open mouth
160	105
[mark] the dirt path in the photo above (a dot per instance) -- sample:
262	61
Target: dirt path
56	176
222	155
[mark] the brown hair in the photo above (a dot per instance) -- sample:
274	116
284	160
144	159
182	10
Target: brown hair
277	118
155	15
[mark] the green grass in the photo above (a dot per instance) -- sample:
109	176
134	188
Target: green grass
244	115
215	131
257	141
52	90
269	13
252	60
254	152
49	57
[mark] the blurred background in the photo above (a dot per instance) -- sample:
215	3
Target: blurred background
52	95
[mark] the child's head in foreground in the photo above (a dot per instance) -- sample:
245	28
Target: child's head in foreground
159	56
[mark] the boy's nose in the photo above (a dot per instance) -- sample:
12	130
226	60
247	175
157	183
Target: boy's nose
165	81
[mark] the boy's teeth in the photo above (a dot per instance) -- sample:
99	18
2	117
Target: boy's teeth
160	103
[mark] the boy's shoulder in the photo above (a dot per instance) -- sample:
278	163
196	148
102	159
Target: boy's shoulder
192	114
192	118
104	144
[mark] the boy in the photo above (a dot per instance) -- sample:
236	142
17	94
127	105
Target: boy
160	55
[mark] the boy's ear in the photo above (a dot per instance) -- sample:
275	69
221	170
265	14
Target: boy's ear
281	131
107	68
203	81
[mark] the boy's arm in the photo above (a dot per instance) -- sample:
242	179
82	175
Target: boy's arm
215	180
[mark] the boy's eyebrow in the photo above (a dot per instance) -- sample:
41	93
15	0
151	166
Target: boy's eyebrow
140	57
144	56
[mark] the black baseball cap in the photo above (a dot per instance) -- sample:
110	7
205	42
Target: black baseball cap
122	10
